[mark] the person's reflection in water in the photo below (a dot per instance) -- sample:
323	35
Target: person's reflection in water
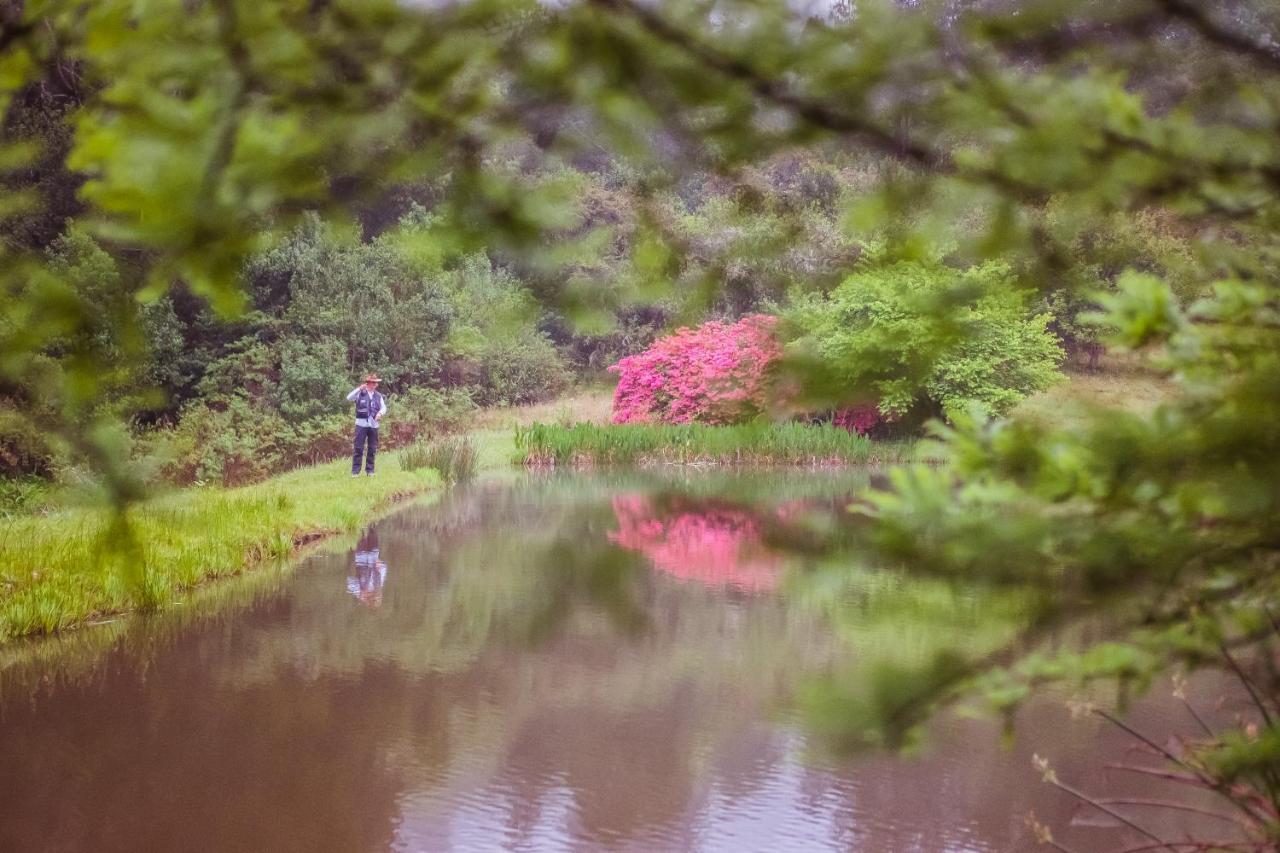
370	571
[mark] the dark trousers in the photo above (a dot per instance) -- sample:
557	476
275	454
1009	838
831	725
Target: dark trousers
364	436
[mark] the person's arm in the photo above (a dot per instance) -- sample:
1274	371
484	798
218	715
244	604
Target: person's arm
353	394
382	405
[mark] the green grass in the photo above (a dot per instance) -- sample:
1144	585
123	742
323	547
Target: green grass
1117	386
585	405
453	458
685	444
25	496
82	564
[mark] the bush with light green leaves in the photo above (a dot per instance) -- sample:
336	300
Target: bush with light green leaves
924	340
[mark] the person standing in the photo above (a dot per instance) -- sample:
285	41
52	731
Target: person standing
370	407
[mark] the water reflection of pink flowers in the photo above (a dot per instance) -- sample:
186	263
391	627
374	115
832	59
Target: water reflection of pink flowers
716	546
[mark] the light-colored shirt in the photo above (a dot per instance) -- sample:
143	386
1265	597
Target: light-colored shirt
382	409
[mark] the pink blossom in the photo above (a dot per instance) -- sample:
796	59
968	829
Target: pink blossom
717	373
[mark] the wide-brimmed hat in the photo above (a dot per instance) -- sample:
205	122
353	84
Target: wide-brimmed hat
372	377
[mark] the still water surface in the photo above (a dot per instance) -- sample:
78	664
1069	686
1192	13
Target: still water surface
551	663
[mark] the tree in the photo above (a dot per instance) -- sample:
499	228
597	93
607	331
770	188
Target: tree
910	339
496	344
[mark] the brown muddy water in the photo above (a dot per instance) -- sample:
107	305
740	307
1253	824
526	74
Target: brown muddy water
554	663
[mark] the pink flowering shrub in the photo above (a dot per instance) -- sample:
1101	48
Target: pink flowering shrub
717	373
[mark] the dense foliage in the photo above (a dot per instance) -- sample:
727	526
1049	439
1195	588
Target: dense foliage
923	340
916	339
234	401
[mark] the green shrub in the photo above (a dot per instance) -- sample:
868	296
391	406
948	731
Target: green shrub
313	378
425	413
233	442
24	448
921	340
1081	340
527	370
1146	241
494	343
24	496
341	307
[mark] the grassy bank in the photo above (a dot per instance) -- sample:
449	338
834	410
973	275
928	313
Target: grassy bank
493	431
587	405
1118	386
70	565
746	444
81	564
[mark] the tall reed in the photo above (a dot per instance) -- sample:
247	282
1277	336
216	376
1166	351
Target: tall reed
455	459
756	443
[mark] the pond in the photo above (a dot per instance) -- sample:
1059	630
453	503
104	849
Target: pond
561	662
